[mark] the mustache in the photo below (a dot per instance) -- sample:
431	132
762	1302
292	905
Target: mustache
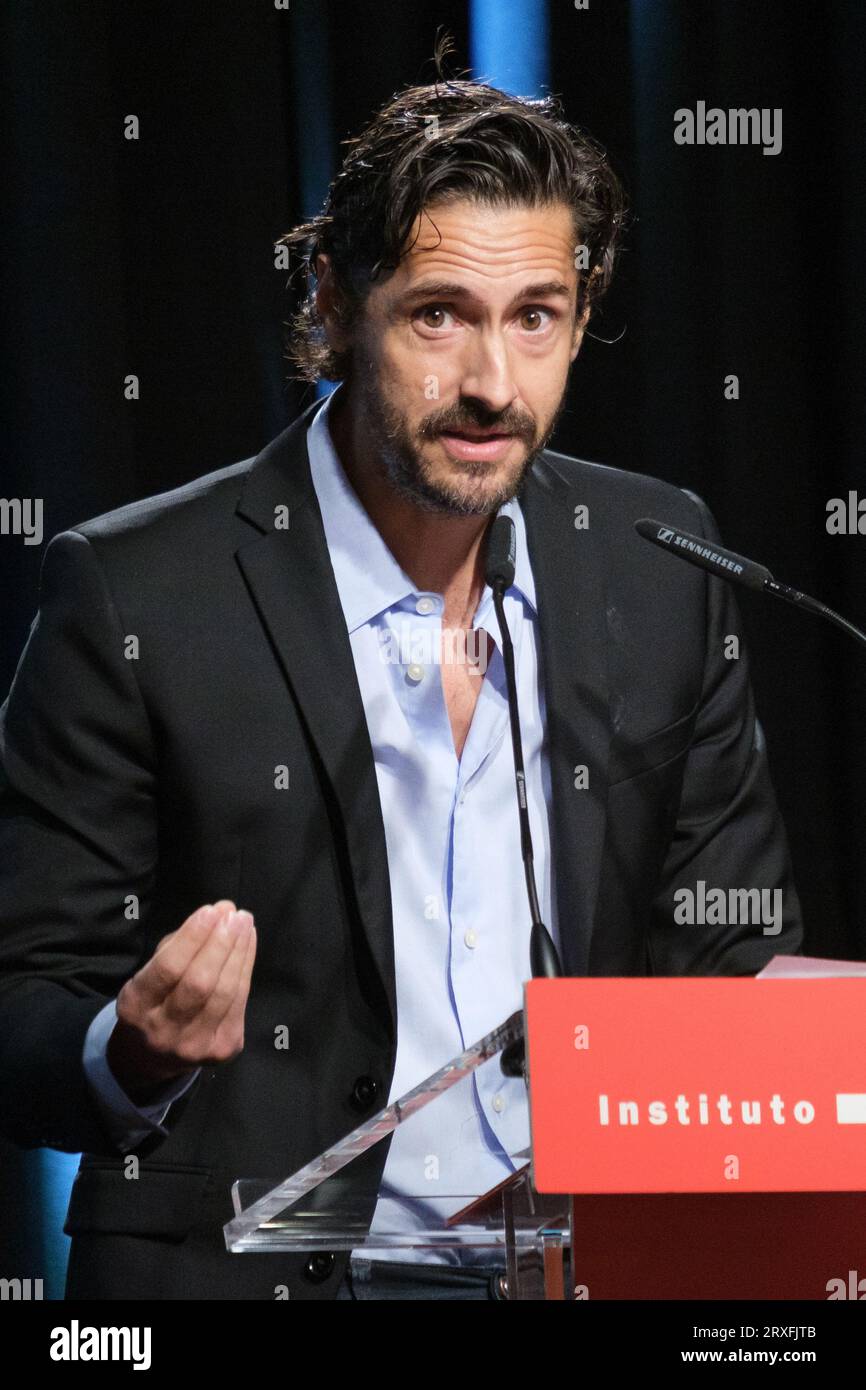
461	417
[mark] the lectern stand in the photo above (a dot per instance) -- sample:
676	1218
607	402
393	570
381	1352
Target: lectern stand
318	1208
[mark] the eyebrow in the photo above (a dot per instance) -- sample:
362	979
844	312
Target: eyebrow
450	289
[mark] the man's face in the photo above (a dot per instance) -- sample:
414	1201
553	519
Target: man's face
460	358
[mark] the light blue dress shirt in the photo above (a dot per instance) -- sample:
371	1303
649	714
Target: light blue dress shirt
460	913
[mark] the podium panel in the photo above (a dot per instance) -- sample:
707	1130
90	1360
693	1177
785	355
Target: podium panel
746	1245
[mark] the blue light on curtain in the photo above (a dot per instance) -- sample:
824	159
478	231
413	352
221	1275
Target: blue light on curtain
311	93
509	45
55	1173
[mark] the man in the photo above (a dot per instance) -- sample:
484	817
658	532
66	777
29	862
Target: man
217	708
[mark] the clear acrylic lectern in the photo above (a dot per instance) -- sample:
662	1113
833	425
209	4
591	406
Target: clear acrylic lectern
471	1203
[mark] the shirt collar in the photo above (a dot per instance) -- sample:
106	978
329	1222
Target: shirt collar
369	579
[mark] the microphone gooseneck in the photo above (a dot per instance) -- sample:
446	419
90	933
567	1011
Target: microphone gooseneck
499	574
727	564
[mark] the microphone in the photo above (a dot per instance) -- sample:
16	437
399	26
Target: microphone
501	554
499	574
727	564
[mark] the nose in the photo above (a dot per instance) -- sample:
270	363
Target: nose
487	376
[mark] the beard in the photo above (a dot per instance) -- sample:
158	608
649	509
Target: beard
397	451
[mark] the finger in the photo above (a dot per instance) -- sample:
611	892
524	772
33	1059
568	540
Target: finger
221	929
235	1013
189	938
232	973
195	986
159	976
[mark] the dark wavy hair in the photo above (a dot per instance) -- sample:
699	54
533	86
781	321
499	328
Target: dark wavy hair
434	144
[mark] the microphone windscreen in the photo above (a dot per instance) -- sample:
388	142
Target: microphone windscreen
501	552
697	550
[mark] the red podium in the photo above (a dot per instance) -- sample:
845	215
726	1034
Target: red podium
712	1133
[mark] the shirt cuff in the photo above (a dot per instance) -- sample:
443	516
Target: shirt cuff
127	1122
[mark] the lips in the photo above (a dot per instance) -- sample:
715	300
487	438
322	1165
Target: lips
476	444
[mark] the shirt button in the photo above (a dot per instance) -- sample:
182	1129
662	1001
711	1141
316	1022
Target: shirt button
470	938
498	1104
425	605
414	673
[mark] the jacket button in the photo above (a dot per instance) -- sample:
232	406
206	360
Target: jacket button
319	1266
364	1092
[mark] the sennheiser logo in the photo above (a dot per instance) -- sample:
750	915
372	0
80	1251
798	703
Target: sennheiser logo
705	551
77	1343
665	534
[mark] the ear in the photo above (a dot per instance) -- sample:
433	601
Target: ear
328	303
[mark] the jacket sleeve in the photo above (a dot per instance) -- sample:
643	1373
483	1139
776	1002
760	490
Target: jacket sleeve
729	833
128	1123
78	849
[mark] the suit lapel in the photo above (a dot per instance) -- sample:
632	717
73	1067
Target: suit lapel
289	574
568	566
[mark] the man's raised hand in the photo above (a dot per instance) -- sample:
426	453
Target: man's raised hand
185	1007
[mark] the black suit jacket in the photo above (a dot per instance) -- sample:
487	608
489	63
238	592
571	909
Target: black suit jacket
152	780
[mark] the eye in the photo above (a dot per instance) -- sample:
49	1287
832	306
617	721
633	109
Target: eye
537	315
431	312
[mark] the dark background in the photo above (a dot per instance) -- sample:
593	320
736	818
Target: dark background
155	257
